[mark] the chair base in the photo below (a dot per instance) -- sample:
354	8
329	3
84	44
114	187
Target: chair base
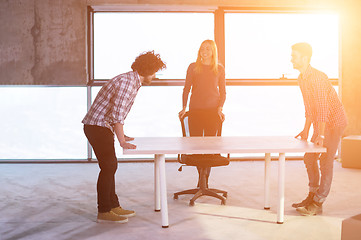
203	190
199	192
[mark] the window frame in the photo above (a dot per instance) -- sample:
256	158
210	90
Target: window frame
219	36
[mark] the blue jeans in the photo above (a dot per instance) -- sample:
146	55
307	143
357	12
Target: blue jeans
321	187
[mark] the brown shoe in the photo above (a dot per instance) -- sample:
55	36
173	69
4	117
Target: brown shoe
111	217
313	208
305	202
123	212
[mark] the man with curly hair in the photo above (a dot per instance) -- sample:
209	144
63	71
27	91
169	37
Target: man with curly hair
105	118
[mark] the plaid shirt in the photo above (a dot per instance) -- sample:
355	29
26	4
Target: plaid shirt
320	99
114	100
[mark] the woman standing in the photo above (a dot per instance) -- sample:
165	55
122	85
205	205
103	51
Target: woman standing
206	78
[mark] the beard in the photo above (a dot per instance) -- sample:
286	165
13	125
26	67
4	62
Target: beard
296	66
147	81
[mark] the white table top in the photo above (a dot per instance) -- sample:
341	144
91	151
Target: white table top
211	145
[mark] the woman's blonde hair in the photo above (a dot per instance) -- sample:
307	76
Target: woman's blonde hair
214	62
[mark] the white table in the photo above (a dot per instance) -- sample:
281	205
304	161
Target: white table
159	146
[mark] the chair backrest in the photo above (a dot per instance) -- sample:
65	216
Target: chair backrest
194	160
185	126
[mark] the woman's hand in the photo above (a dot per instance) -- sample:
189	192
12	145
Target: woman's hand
221	114
181	113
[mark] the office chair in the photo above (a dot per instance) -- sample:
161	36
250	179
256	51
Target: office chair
202	161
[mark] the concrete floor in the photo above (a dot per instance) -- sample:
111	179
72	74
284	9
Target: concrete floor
58	201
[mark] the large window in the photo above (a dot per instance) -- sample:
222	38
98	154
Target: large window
45	122
42	123
258	45
120	37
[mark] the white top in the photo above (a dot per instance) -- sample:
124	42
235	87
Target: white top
212	145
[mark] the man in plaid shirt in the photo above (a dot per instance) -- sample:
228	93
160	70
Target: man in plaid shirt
325	112
104	119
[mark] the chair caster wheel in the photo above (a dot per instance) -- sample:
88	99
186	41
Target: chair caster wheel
191	203
223	203
175	196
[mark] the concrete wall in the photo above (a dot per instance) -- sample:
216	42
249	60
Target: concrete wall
43	42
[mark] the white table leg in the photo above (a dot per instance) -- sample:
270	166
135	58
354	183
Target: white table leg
156	184
281	188
163	190
266	180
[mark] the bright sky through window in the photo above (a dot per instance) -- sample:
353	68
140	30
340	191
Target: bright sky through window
258	45
120	37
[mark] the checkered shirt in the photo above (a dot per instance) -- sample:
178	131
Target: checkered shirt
114	101
321	100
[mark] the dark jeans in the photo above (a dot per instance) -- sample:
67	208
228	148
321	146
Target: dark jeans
102	141
204	122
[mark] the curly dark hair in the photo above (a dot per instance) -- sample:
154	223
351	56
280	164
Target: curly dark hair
148	63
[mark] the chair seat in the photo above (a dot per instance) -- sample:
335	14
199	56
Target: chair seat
204	160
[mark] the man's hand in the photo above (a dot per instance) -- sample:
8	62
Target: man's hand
126	145
303	135
127	139
119	132
319	140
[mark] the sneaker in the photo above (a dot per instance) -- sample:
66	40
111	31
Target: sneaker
304	202
313	208
111	217
122	212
